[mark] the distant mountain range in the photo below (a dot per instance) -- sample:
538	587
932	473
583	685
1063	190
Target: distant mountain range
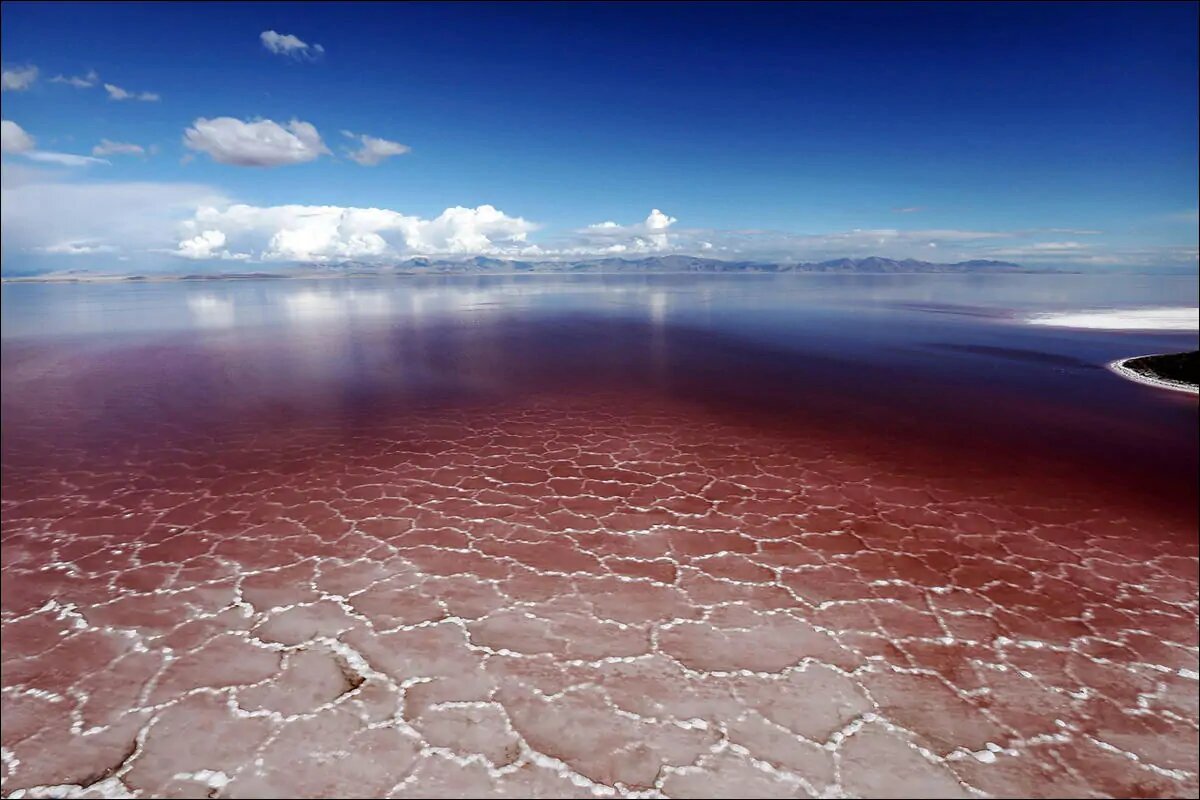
483	265
675	263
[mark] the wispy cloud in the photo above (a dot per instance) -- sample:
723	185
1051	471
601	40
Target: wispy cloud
62	159
18	79
15	140
43	212
117	93
908	209
659	234
78	81
372	150
75	249
285	44
110	148
1043	250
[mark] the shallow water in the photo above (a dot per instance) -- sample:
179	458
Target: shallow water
918	361
873	523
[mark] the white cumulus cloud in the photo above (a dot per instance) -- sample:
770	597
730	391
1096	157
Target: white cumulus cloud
14	139
285	44
111	148
18	79
648	236
295	233
372	150
202	245
264	143
117	93
78	81
658	221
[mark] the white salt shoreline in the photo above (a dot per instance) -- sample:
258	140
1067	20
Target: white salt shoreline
1119	368
1177	318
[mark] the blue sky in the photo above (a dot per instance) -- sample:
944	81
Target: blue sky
1040	133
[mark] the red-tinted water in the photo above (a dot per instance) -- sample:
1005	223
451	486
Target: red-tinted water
505	552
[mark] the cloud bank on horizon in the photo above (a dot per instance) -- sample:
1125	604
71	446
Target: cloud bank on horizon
183	224
191	175
202	224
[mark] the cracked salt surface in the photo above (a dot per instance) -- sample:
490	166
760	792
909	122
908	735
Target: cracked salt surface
570	595
327	646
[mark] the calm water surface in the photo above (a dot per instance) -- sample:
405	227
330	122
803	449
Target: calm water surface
583	507
940	364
